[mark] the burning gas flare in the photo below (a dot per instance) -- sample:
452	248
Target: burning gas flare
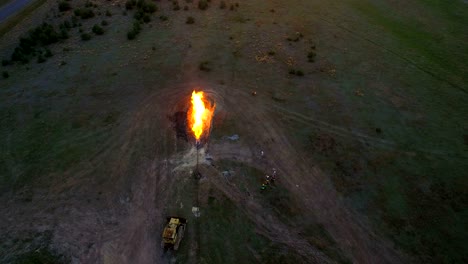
200	114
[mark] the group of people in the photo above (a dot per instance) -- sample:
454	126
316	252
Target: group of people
269	180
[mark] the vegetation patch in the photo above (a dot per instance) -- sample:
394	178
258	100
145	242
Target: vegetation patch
64	6
203	5
190	20
35	42
84	13
205	66
142	15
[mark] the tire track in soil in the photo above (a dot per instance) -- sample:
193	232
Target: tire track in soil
312	187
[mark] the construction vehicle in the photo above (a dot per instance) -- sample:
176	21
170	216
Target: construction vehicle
173	233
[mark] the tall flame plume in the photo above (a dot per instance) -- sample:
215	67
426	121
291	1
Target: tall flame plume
200	114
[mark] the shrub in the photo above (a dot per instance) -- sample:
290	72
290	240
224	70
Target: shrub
163	18
130	4
135	30
48	53
146	18
5	75
84	13
190	20
40	59
202	4
63	34
104	23
222	5
131	35
97	30
64	6
108	13
5	62
311	56
149	8
66	24
85	36
138	15
296	72
205	66
186	8
41	36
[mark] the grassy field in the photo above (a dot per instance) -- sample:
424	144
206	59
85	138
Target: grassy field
380	110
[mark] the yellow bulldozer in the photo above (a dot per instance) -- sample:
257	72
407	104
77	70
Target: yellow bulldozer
173	233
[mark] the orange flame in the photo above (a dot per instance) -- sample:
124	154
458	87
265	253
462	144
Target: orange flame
200	114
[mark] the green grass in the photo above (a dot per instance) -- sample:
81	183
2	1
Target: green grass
441	50
42	145
277	201
418	200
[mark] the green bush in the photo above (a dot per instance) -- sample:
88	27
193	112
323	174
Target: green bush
205	66
84	13
104	23
311	56
5	75
146	18
175	6
149	8
63	34
97	30
64	6
5	62
108	13
163	18
190	20
41	36
202	4
48	53
85	36
90	4
138	15
40	59
131	35
135	30
222	5
130	4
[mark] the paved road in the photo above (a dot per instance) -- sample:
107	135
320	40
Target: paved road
11	8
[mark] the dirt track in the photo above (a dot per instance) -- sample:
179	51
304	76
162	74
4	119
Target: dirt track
110	206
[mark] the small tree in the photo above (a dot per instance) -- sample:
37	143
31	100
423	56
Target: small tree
222	5
64	6
85	36
202	4
48	53
190	20
98	30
